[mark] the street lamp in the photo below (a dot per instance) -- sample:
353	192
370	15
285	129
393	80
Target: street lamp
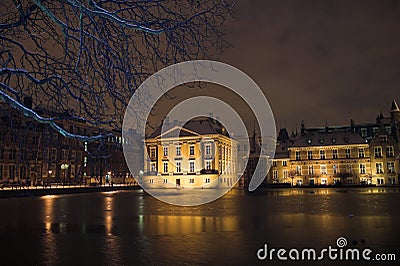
108	178
48	177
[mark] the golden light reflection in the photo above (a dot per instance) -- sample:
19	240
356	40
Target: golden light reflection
108	213
112	242
49	239
160	225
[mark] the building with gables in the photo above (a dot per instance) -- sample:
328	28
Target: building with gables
365	153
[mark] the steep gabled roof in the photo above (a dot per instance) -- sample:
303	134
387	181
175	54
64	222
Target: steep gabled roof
395	107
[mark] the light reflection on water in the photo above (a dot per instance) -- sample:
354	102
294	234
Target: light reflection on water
133	228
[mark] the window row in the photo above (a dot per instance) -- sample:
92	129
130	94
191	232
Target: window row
178	150
178	166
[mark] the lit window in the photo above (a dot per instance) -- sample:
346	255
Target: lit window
390	166
178	150
334	169
310	170
285	173
165	149
165	167
335	154
191	150
361	153
178	167
153	167
347	152
323	169
208	165
165	181
362	169
191	181
208	180
379	168
298	169
274	163
378	152
275	174
389	151
208	149
322	154
309	155
297	155
284	163
191	166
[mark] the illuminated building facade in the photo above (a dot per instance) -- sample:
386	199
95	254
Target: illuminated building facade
34	153
367	153
200	154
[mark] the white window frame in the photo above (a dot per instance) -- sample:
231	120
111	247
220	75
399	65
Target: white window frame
335	154
378	152
363	169
347	152
297	155
191	149
178	167
152	152
389	151
153	167
323	169
379	168
208	149
361	153
208	165
192	168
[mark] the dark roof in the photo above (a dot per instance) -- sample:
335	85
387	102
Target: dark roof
327	138
200	125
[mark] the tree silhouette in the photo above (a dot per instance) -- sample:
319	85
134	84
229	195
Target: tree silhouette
83	60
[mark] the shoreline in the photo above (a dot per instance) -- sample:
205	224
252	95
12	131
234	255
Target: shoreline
37	192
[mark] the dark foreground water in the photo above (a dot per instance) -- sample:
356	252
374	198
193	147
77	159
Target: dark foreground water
132	228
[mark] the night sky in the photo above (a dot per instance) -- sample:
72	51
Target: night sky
321	61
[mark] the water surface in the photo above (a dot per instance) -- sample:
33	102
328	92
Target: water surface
132	228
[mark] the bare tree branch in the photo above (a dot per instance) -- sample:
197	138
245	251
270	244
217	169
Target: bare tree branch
86	58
